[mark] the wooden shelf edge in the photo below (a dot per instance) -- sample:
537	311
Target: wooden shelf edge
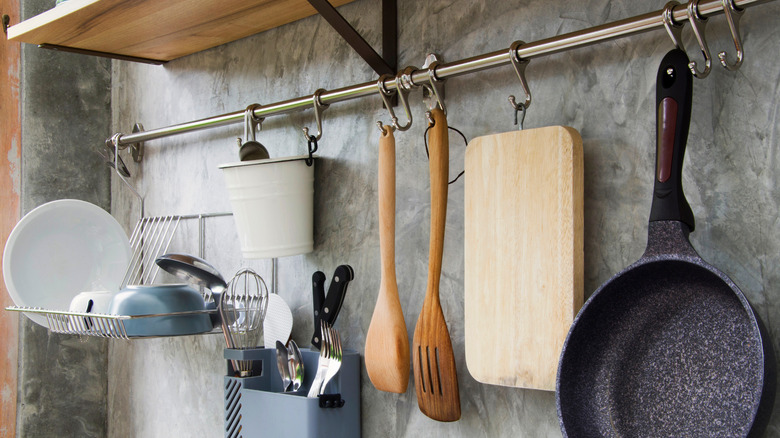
159	30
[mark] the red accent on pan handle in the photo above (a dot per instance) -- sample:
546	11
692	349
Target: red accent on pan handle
667	121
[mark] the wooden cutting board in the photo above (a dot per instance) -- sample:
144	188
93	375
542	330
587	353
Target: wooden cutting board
523	253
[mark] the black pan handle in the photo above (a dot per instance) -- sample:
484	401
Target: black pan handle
674	93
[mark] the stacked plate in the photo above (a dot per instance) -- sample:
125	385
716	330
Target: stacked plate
61	249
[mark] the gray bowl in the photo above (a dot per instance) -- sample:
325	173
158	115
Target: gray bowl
167	298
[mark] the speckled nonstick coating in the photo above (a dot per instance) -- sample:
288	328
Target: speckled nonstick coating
669	347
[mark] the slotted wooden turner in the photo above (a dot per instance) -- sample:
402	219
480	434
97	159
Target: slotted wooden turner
435	377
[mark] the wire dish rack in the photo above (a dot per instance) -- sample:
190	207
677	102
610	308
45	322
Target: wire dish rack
150	239
100	325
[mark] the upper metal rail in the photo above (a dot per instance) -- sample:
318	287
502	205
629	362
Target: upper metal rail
593	35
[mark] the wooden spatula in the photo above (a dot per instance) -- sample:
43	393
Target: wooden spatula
435	377
387	342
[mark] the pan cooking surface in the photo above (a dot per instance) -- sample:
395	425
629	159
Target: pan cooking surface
666	349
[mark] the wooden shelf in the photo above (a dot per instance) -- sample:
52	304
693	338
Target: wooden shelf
159	30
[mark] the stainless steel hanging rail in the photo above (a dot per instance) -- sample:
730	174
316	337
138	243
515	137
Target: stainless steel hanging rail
536	49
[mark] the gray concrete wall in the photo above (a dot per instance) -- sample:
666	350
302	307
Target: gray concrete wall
172	387
66	115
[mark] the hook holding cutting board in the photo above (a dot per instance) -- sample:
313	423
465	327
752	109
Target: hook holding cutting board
519	66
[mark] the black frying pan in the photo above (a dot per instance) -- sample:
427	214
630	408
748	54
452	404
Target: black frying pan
670	347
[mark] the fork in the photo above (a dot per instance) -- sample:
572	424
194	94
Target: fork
334	358
323	364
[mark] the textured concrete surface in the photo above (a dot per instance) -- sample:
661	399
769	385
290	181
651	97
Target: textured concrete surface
173	386
65	116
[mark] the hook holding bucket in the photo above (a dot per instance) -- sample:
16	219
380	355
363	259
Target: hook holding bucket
319	107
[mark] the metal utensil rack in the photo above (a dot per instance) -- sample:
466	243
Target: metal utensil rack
671	18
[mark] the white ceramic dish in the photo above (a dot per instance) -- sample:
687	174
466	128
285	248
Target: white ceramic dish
61	249
91	302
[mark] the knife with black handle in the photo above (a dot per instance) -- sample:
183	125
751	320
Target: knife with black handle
318	300
330	308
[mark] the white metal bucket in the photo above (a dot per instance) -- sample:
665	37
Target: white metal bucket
273	206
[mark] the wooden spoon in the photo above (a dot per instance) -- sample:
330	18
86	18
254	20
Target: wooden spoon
435	376
387	342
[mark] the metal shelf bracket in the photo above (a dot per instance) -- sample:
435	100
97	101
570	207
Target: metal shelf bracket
382	64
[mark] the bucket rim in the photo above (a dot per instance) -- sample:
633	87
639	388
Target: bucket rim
265	161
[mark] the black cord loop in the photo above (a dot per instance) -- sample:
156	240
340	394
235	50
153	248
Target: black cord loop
425	140
312	150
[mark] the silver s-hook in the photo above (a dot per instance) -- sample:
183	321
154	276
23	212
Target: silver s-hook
673	28
435	92
403	86
252	123
699	24
733	14
519	66
385	94
319	107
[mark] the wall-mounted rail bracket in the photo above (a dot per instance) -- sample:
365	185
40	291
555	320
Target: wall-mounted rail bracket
137	149
6	22
387	62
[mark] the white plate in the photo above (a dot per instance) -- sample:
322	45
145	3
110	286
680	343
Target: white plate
61	249
278	321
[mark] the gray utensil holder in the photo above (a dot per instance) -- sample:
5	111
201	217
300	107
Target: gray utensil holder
256	406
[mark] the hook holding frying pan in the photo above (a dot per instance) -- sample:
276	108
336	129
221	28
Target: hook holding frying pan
519	66
319	107
733	14
698	24
673	28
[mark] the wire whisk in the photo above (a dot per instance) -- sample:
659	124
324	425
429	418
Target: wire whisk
242	307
